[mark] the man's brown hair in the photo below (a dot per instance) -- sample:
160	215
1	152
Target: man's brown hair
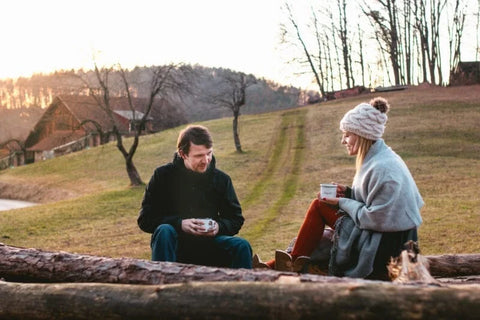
195	134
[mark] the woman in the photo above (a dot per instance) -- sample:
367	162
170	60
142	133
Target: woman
373	218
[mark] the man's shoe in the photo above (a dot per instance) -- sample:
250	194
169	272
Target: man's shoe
283	261
257	263
300	262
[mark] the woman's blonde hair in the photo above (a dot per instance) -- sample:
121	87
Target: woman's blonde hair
364	145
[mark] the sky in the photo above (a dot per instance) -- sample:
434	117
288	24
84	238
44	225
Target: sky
40	36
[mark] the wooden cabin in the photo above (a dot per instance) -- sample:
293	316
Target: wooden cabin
72	123
11	155
466	73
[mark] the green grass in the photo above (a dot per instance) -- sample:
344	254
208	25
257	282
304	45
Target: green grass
88	207
291	130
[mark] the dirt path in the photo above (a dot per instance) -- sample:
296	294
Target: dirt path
278	182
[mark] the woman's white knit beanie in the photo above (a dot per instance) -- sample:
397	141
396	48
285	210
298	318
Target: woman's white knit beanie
364	120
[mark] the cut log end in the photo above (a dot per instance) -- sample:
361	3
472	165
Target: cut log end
411	267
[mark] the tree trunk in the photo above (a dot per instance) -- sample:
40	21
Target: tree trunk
195	292
305	49
245	300
133	175
32	265
236	137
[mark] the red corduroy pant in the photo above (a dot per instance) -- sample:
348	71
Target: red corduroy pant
318	215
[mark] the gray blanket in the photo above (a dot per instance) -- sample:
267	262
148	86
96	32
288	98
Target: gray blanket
353	251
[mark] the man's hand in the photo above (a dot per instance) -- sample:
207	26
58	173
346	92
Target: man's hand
195	227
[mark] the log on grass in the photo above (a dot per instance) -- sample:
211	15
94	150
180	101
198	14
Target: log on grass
238	300
33	265
450	265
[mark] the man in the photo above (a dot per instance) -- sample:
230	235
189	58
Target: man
183	192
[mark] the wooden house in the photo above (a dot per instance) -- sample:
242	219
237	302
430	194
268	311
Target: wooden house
466	73
5	158
72	123
11	155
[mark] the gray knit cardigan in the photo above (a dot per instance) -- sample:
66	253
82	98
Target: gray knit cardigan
385	197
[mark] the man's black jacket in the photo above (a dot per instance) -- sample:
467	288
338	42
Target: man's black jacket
175	193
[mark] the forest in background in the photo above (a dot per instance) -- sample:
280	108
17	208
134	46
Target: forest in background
342	44
23	100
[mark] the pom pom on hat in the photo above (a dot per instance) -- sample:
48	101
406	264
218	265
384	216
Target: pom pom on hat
367	120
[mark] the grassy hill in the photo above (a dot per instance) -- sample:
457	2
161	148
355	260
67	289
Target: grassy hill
88	207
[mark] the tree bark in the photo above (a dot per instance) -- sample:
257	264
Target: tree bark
236	137
33	265
153	290
308	56
244	300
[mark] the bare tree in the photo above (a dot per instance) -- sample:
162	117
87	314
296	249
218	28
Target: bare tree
328	56
423	33
320	47
437	7
428	17
386	22
231	94
343	35
308	55
477	31
455	34
163	81
406	34
361	59
329	61
407	41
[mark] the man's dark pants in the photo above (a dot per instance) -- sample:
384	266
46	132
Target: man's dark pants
220	251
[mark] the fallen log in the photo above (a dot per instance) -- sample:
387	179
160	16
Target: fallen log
33	265
238	300
452	265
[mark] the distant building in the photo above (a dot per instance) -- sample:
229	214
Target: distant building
11	155
351	92
72	123
466	73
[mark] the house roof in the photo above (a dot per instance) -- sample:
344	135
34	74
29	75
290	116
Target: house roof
131	115
89	114
4	152
10	146
86	108
163	114
56	139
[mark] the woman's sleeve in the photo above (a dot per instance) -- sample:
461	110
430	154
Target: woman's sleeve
383	196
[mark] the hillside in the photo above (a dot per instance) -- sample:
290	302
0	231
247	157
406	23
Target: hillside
25	97
89	208
17	123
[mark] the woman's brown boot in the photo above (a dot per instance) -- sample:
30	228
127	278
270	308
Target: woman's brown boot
257	263
300	262
283	261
